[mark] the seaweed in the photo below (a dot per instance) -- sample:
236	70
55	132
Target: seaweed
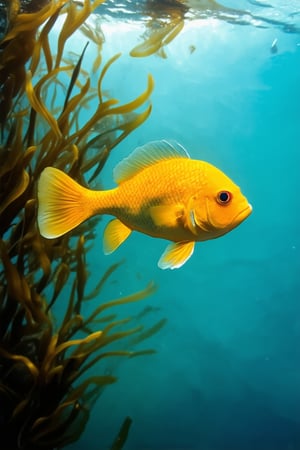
165	23
47	389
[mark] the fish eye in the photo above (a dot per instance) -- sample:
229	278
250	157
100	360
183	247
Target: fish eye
224	197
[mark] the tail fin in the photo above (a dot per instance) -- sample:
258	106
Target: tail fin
62	203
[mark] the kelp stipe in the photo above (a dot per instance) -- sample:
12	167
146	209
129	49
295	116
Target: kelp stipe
46	388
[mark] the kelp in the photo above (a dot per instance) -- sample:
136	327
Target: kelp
47	388
122	436
165	23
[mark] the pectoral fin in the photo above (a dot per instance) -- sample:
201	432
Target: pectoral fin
166	215
176	254
115	234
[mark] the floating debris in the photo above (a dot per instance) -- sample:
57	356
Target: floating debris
274	48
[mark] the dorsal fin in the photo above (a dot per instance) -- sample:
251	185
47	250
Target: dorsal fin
146	156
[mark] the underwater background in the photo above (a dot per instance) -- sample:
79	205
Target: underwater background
226	372
226	375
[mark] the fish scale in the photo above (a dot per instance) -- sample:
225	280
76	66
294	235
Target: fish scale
166	181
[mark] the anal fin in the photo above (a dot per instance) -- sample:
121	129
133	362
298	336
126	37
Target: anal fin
176	254
115	234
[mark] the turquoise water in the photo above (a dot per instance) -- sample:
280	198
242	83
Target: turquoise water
226	375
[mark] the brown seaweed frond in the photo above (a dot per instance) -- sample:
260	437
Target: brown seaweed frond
159	34
54	113
42	364
16	48
122	435
164	24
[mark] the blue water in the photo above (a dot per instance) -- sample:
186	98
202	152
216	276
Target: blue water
226	375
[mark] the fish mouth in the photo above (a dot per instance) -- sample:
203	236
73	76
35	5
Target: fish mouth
242	215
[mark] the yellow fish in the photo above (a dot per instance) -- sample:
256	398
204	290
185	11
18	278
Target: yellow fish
161	192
